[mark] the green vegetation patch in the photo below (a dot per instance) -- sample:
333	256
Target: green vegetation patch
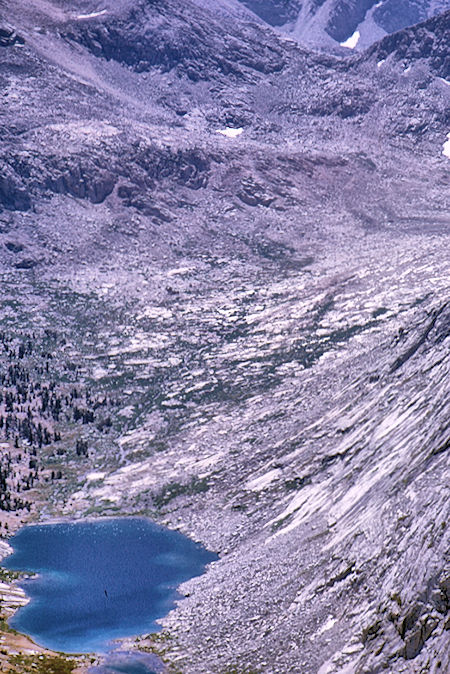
7	576
174	489
42	664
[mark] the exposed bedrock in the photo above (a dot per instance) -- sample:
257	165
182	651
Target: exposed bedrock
225	294
426	41
169	38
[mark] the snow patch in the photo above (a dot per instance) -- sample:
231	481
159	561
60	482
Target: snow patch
445	81
380	63
230	132
352	41
446	147
92	15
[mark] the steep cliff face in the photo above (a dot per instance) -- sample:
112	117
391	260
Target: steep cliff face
276	12
425	43
230	255
328	23
392	16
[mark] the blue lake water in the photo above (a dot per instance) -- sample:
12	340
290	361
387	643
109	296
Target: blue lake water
129	663
99	580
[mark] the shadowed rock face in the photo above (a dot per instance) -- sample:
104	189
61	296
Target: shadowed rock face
344	18
13	194
275	12
224	263
314	22
8	37
426	41
393	16
171	36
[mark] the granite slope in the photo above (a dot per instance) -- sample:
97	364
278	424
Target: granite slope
255	325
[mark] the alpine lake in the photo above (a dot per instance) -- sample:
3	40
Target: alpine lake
96	581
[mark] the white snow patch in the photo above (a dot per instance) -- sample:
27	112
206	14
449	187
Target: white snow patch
260	483
92	15
445	81
380	63
446	147
229	132
352	41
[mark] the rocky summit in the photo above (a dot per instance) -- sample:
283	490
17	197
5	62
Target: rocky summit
225	264
331	24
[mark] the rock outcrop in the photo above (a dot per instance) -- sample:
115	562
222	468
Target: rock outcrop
426	42
9	37
170	37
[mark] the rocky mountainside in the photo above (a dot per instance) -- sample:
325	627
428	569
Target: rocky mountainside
328	24
224	261
427	41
